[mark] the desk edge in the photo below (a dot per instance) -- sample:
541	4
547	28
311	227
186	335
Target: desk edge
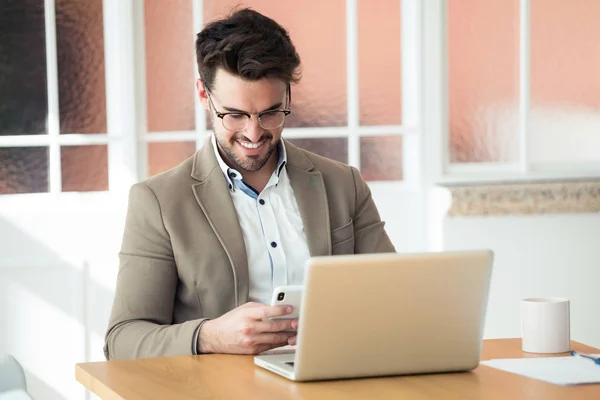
94	385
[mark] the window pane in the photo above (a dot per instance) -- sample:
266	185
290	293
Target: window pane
23	170
80	52
483	51
84	168
23	96
164	156
170	79
564	123
379	62
318	30
334	148
381	158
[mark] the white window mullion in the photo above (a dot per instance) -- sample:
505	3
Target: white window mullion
342	131
435	141
434	125
385	130
199	111
352	82
173	136
72	139
83	139
524	83
31	140
489	173
53	119
141	93
122	80
410	24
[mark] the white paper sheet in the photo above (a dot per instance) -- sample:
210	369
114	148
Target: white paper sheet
558	370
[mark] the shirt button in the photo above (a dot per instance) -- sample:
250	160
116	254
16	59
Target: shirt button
262	202
232	174
230	187
273	244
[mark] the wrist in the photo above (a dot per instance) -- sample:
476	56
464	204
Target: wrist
205	336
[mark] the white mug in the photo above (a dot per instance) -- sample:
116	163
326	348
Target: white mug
545	325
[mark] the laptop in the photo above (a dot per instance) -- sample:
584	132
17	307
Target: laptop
388	314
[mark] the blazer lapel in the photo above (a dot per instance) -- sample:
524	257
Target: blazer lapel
309	189
216	203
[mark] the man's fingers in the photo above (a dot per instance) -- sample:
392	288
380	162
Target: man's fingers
269	311
275	338
251	304
276	325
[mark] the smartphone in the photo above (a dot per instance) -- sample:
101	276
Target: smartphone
288	296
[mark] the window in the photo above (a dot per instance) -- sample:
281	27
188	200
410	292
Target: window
53	134
523	90
97	94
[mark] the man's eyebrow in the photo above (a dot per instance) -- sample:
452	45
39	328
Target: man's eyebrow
236	110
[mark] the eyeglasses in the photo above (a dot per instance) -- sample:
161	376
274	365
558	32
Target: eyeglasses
238	121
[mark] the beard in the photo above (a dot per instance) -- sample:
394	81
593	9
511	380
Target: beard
247	163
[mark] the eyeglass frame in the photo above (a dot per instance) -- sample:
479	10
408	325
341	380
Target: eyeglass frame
222	115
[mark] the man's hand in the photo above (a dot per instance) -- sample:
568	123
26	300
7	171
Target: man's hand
243	330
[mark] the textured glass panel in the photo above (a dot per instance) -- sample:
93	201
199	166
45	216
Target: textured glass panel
170	58
80	52
334	148
379	62
23	96
164	156
318	30
23	170
483	51
564	124
84	168
381	158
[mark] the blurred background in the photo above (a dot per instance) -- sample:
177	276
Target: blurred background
476	124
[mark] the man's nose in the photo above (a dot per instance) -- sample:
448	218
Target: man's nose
254	131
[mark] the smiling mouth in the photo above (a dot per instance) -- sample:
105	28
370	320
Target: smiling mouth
249	145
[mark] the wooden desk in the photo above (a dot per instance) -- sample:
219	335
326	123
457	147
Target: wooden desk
236	377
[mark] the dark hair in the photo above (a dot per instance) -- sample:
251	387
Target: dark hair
249	45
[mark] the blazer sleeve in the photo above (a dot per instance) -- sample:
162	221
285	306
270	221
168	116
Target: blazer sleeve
140	324
369	230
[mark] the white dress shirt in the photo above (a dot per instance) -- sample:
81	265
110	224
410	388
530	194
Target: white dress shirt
272	228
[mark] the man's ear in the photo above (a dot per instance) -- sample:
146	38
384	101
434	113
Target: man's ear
201	91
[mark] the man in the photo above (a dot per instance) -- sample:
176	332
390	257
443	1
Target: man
206	242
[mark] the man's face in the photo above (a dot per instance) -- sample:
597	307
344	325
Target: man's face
251	148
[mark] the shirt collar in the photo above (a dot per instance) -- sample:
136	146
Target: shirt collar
282	157
224	167
229	172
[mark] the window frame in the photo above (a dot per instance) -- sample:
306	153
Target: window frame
436	78
127	136
119	38
424	87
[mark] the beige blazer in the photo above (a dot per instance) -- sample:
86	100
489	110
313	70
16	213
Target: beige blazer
183	257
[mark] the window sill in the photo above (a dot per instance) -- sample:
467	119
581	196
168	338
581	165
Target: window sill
525	198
